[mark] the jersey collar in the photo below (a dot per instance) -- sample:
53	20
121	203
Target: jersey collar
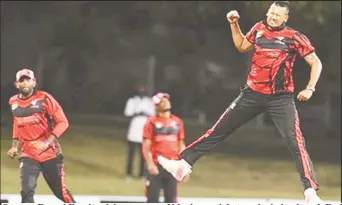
281	27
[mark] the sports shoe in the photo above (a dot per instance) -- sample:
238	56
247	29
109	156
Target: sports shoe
311	197
179	169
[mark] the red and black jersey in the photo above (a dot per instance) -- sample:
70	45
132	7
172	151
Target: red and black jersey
165	135
274	56
34	119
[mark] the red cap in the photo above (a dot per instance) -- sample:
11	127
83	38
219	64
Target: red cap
159	96
25	72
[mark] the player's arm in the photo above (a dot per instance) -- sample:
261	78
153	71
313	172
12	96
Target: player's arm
181	136
146	149
57	114
316	68
132	110
147	143
15	136
129	108
15	130
13	151
305	49
240	41
15	143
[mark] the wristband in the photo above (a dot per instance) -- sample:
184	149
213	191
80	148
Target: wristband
310	88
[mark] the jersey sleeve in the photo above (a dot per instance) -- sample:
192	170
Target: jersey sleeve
302	45
250	36
181	134
57	114
148	131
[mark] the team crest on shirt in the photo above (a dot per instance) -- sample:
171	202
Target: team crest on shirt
14	106
159	125
259	34
34	102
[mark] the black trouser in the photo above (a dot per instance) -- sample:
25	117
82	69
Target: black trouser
281	108
164	180
53	172
132	146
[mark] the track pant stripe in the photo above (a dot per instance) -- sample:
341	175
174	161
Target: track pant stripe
231	107
303	153
67	198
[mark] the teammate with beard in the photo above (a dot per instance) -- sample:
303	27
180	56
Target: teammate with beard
38	120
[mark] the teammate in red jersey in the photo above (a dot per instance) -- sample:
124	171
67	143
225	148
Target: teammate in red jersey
38	120
163	135
269	88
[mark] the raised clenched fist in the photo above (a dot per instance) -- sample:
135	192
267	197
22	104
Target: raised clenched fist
233	16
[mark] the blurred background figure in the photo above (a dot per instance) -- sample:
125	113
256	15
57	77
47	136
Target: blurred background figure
138	108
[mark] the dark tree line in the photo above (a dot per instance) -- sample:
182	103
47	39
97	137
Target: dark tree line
90	54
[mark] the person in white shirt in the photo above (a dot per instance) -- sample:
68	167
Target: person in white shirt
138	108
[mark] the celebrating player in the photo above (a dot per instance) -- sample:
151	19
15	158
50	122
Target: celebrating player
270	88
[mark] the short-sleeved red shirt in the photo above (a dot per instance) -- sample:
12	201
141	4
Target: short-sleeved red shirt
165	135
34	119
274	56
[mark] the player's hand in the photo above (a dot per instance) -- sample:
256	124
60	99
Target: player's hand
186	178
12	152
153	169
304	95
39	145
233	16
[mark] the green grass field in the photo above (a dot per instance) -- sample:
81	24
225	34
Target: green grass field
95	163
